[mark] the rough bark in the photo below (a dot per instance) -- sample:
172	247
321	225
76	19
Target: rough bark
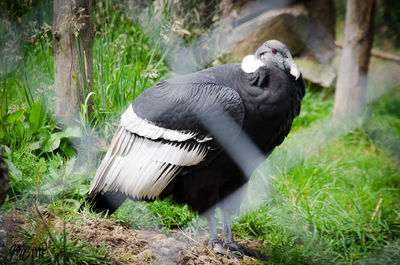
351	86
73	36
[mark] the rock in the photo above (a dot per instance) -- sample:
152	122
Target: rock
323	13
145	254
160	237
320	45
288	25
315	72
3	235
306	26
4	178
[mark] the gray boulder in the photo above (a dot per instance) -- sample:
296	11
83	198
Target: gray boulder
4	179
307	27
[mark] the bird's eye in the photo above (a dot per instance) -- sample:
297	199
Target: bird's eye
274	51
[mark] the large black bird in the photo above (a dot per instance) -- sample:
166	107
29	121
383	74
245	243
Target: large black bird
166	143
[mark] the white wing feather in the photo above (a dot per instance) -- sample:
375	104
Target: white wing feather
131	122
141	167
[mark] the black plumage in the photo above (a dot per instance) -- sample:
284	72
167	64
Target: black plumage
166	143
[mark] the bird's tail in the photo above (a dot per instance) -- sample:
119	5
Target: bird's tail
103	202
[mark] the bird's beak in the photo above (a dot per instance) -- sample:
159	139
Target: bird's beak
294	69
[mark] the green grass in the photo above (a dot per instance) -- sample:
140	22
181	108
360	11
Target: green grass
339	205
316	105
333	198
51	167
42	243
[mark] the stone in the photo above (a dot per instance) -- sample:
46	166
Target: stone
4	178
315	72
145	254
307	27
160	237
288	25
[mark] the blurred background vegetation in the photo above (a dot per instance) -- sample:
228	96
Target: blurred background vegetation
387	22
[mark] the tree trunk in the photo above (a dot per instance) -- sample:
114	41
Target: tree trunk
351	86
73	35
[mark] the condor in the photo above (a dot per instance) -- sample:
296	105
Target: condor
164	145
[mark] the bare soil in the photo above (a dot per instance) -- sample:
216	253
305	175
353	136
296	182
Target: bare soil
126	245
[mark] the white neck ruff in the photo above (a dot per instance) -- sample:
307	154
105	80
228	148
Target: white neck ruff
250	64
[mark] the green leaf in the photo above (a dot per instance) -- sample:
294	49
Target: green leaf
37	115
67	149
44	136
15	173
48	142
34	146
6	149
19	128
71	132
52	143
15	116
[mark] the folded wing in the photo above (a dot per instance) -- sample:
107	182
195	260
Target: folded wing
163	132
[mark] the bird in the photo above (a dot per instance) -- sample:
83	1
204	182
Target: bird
172	140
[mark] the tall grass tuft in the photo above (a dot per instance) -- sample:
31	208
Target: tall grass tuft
41	243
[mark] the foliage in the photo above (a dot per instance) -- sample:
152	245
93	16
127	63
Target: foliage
387	21
159	214
16	33
339	205
316	105
18	10
31	142
43	244
126	62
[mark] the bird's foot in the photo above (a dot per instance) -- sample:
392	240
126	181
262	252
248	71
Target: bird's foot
240	251
233	250
216	245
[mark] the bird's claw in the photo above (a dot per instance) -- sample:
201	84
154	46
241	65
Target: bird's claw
230	250
234	250
243	250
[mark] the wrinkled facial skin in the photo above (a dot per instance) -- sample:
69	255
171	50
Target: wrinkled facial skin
275	52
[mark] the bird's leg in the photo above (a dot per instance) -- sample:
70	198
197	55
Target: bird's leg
232	248
212	229
226	219
214	242
228	243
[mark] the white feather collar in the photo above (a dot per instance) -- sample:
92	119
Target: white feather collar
250	64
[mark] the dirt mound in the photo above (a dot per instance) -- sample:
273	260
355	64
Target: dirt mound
128	246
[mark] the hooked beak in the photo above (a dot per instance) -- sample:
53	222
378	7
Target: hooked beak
293	68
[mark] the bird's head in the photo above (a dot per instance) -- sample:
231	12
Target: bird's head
269	53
